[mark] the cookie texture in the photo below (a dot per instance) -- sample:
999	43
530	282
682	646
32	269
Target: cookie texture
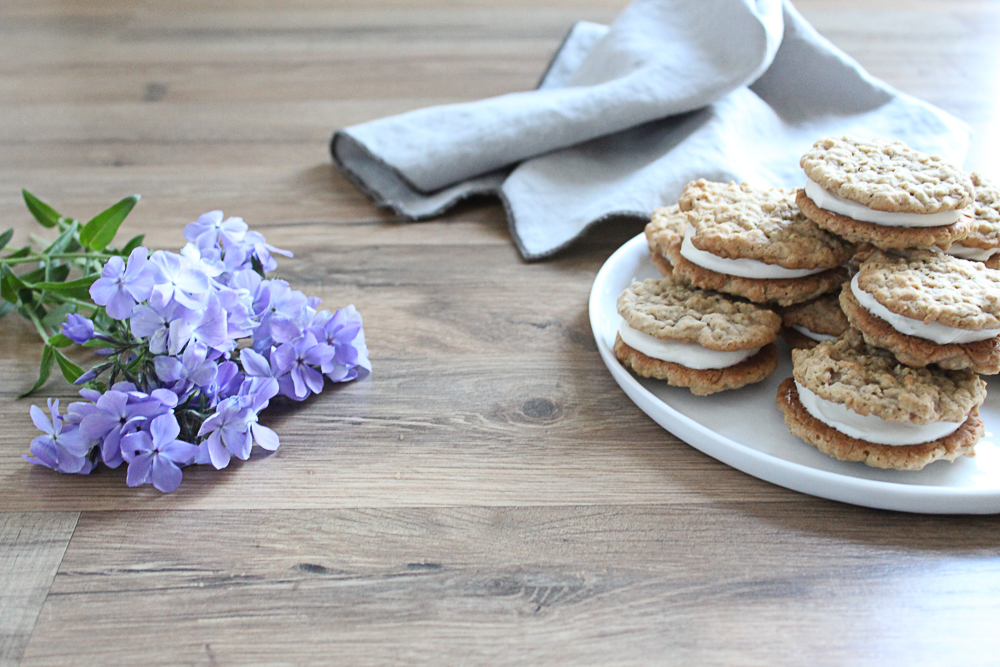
700	382
870	381
932	286
822	315
743	222
674	311
782	291
840	446
886	175
981	356
984	232
666	224
883	236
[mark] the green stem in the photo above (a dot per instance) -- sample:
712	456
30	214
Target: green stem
38	257
38	325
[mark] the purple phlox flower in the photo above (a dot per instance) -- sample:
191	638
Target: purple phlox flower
178	278
116	414
78	329
153	321
210	329
211	230
286	303
227	382
121	285
257	398
342	331
208	261
263	250
286	331
301	359
61	447
228	432
261	375
192	367
156	456
240	321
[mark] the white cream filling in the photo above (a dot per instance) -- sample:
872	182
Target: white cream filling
831	202
975	254
690	355
871	427
744	268
812	334
932	331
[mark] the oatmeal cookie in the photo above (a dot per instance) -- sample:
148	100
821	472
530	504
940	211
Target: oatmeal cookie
870	381
700	382
984	228
670	310
744	222
886	175
883	236
932	286
820	316
782	291
981	356
840	446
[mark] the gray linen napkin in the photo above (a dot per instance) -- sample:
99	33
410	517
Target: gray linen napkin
627	115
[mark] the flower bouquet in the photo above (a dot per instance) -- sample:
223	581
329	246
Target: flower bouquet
192	346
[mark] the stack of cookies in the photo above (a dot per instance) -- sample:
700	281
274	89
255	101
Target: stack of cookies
879	273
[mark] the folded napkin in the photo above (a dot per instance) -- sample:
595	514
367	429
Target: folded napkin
627	115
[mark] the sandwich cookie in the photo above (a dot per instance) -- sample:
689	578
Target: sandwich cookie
756	244
855	402
927	307
884	193
692	338
808	324
667	224
982	244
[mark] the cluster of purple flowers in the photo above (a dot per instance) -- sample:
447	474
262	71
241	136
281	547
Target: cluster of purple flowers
181	389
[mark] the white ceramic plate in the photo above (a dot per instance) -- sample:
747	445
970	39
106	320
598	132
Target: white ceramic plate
745	429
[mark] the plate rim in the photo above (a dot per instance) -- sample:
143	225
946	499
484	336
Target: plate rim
798	477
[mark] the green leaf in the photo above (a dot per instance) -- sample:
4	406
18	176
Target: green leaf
17	254
57	275
69	370
6	237
63	240
134	243
101	229
9	284
48	358
5	307
60	340
78	289
44	214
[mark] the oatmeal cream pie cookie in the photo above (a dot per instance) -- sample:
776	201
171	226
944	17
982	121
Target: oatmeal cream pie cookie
667	223
756	244
884	193
927	307
855	402
809	324
693	338
983	241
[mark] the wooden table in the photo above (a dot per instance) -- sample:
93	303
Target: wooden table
489	496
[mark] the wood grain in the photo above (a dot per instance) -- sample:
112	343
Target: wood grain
32	545
753	584
489	496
